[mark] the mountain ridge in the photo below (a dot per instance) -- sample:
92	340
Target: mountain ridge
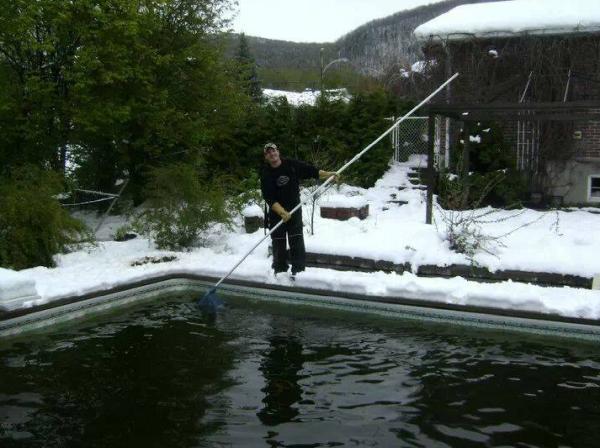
372	49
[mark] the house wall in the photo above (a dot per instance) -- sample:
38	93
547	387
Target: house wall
498	70
572	181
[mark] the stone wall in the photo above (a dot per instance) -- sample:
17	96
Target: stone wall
345	213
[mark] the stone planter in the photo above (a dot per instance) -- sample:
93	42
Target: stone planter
344	213
254	217
253	223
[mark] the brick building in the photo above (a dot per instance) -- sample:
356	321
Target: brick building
533	67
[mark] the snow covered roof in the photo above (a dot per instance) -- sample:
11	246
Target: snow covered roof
515	17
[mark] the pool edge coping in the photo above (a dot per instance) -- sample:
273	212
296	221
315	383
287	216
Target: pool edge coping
75	306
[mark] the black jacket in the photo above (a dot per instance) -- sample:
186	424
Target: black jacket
282	184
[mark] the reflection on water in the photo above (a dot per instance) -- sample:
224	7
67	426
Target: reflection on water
280	367
164	376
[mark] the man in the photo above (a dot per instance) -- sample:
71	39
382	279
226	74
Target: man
280	185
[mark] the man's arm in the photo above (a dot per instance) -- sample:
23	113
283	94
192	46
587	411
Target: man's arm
304	170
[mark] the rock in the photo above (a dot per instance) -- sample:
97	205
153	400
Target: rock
126	237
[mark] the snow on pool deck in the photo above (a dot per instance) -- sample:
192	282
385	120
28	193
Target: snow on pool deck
555	242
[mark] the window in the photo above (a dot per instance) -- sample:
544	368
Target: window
594	188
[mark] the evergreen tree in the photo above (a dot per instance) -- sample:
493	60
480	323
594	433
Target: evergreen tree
117	84
38	45
247	70
161	92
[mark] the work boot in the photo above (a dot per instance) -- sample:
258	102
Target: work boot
295	273
277	273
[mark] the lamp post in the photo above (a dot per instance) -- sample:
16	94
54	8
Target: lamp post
321	82
325	68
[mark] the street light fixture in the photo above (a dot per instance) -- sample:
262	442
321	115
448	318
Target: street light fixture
324	69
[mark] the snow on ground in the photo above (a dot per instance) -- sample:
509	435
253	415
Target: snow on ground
512	17
559	242
15	288
308	97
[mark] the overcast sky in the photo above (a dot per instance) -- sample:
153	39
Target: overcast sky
313	20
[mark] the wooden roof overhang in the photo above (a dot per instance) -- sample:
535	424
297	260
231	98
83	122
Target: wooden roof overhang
542	111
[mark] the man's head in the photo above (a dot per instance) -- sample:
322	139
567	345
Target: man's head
271	153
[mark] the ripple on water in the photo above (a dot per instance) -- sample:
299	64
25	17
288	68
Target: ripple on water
166	376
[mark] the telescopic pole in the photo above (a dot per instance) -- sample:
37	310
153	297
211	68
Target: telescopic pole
337	173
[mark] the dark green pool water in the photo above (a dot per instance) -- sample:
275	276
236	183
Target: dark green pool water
163	376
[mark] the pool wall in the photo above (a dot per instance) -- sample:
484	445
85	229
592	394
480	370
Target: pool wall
18	322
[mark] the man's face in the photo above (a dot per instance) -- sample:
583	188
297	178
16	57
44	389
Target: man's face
272	156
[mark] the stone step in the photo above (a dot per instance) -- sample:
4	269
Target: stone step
397	202
412	187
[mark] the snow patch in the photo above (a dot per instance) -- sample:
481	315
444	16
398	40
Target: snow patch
308	97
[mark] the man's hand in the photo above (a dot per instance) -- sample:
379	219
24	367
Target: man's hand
282	212
285	216
327	174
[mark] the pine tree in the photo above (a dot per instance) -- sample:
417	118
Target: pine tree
247	70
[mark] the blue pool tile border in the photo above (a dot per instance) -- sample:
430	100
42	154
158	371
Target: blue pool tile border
72	308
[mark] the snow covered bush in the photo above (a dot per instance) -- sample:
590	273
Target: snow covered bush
181	205
33	225
465	234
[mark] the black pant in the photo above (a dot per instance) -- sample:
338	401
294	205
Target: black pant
292	230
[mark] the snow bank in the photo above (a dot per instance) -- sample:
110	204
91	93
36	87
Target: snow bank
252	211
16	289
342	201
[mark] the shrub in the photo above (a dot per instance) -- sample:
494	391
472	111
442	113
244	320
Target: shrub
246	192
33	225
451	191
493	178
370	167
181	205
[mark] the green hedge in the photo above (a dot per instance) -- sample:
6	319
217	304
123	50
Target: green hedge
33	225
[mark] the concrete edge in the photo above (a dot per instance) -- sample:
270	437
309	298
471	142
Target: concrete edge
66	309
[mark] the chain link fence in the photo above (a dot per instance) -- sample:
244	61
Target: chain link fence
409	137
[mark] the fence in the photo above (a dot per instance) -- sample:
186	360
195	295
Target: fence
409	137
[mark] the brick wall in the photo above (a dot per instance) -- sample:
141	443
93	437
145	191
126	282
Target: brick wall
588	146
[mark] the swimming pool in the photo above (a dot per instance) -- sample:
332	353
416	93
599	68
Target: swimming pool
279	375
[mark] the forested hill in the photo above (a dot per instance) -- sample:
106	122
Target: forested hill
372	48
282	54
382	43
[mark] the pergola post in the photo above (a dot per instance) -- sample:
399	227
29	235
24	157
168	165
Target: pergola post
430	168
466	162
